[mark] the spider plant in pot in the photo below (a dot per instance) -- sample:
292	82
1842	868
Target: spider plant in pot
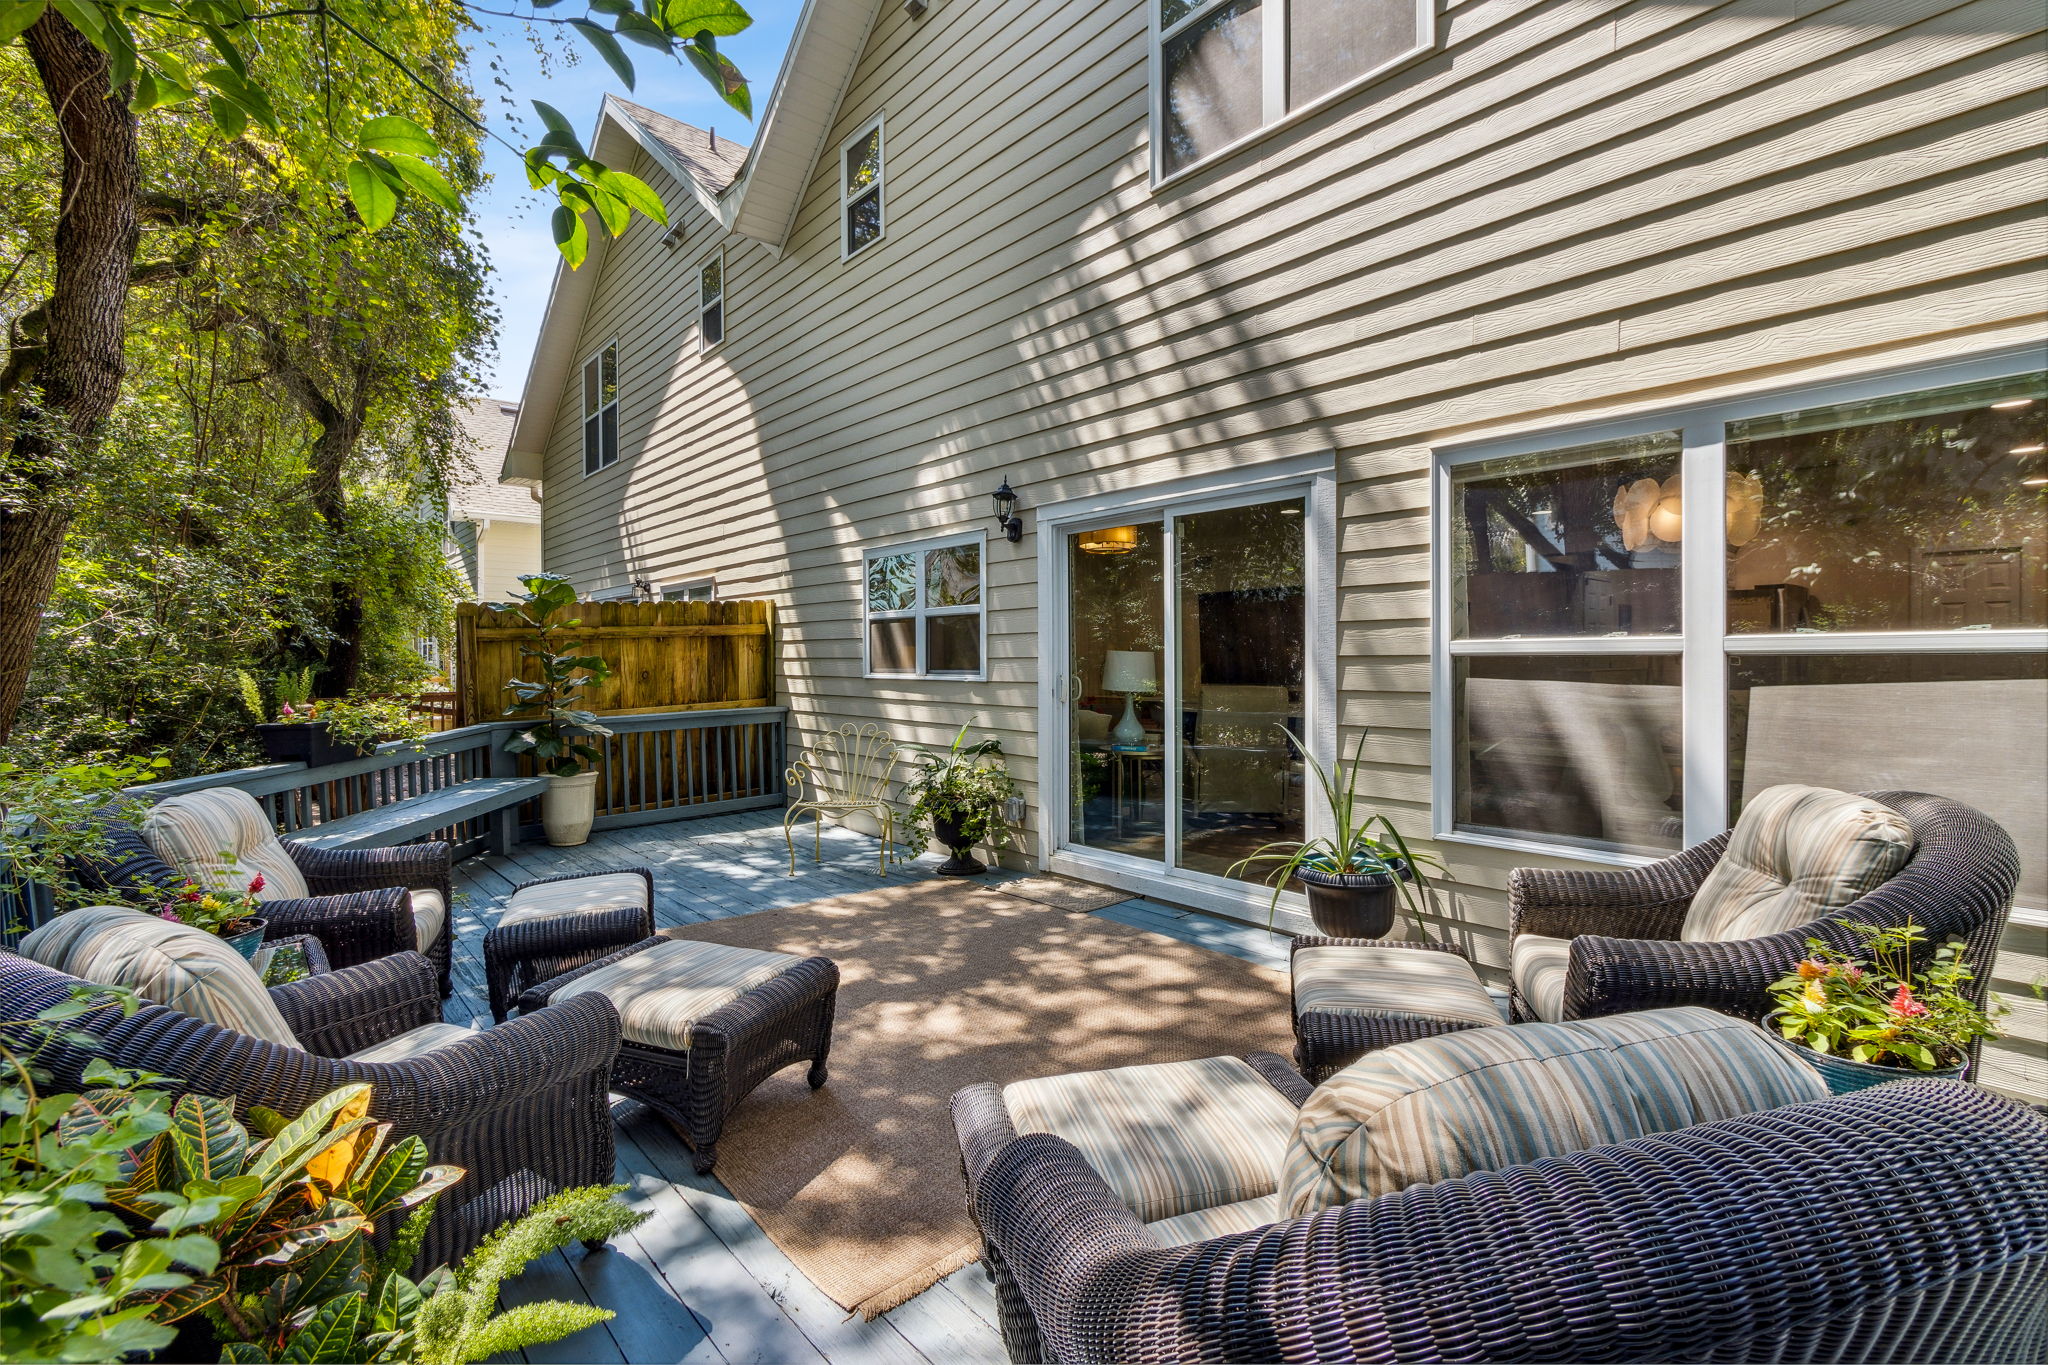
961	792
1358	874
557	737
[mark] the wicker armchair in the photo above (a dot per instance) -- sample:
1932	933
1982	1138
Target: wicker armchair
1624	926
358	910
1678	1246
522	1108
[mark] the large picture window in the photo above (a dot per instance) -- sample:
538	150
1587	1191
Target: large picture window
601	409
1864	606
924	610
1225	69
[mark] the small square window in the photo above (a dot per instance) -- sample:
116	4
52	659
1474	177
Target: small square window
923	609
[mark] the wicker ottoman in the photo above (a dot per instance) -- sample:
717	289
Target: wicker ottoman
703	1023
557	924
1353	996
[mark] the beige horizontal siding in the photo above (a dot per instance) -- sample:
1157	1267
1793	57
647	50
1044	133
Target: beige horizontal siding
1576	209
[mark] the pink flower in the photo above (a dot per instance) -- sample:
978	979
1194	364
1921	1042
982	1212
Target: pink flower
256	885
1904	1006
190	893
287	711
169	914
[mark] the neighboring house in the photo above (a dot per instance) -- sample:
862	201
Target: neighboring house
1362	370
494	529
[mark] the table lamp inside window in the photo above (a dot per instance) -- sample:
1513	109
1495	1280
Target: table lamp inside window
1130	671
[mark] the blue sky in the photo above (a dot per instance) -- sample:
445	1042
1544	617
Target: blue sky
513	219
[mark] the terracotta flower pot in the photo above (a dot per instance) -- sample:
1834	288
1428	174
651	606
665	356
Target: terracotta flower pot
1353	904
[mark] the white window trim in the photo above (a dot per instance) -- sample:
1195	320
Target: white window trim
583	420
625	592
661	593
724	313
918	613
847	251
1703	641
1273	59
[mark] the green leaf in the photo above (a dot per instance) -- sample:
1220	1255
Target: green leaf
555	120
374	199
637	193
396	1172
425	181
607	48
722	18
16	18
639	29
225	46
227	115
330	1336
392	133
572	239
85	16
206	1142
611	210
530	1324
243	1353
725	78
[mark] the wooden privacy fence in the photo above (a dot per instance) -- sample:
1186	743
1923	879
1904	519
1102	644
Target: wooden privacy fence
665	656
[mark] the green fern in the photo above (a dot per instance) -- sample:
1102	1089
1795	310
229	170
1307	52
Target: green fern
252	692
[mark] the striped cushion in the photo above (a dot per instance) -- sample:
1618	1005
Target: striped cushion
1488	1099
662	992
1171	1137
165	962
1795	855
599	891
221	839
1539	969
429	915
414	1043
1397	982
1221	1221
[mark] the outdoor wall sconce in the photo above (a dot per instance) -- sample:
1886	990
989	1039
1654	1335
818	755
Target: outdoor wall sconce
1006	512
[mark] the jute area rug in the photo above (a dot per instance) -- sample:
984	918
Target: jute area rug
943	985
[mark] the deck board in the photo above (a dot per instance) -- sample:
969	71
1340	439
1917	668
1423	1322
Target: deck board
700	1281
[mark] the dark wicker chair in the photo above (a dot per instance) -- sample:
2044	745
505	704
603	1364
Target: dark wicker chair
358	909
519	956
732	1049
1624	926
1904	1223
521	1108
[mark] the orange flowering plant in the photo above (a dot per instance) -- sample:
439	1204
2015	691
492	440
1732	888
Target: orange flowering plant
217	912
1879	1010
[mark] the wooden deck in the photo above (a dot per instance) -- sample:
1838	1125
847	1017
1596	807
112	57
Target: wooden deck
699	1281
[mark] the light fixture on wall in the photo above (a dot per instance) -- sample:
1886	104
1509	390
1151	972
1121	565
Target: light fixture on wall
1647	510
1006	512
1110	540
1130	671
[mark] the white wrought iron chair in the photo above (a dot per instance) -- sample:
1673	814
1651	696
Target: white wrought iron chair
845	770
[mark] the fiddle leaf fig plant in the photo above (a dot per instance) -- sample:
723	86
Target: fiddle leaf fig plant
560	727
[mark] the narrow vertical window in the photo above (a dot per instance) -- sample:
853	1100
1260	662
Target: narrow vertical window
601	409
860	190
711	302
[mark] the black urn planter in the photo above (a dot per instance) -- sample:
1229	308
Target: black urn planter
1354	904
963	863
305	742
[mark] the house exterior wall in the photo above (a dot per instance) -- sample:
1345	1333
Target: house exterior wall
505	550
1573	211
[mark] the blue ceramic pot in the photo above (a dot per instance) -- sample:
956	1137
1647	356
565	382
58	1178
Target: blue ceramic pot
249	940
1846	1074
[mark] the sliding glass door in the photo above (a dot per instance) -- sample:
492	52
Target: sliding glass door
1185	684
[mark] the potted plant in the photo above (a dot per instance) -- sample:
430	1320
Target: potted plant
1861	1021
230	914
556	736
961	794
1358	874
295	730
355	725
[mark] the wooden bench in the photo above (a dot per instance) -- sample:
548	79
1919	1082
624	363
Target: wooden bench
418	816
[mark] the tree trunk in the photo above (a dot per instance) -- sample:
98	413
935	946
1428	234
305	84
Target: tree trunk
60	386
340	429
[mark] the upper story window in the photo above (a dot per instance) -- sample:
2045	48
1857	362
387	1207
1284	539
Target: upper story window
601	409
924	609
860	190
1225	69
711	302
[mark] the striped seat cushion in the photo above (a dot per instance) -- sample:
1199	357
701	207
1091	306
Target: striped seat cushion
577	895
1188	1228
415	1042
164	962
664	991
1489	1099
429	915
1397	982
221	839
1539	968
1795	855
1169	1138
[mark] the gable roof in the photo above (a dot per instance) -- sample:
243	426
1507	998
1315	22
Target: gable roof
753	191
485	425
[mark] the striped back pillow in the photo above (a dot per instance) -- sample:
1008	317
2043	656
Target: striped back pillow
221	839
1796	855
164	962
1491	1098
